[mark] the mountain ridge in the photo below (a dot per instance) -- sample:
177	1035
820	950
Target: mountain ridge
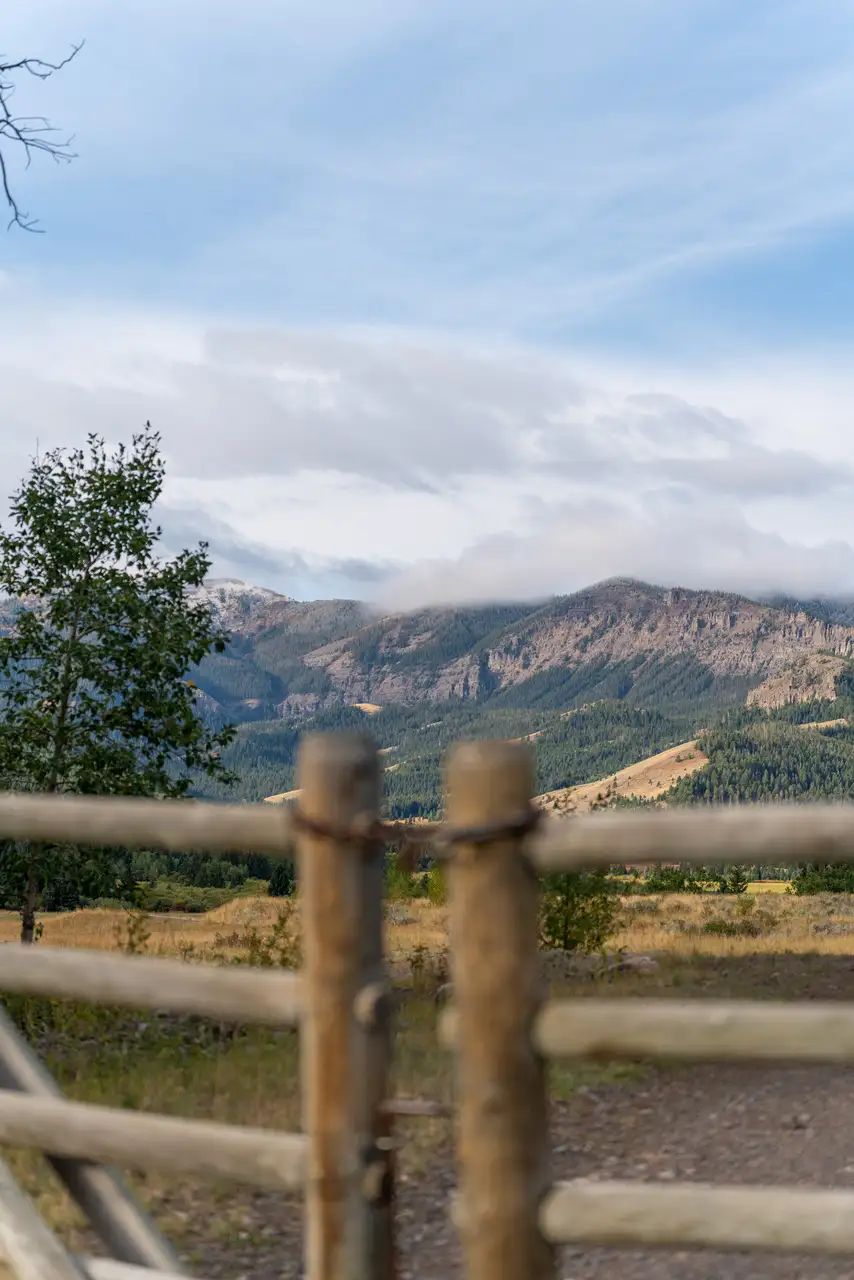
297	658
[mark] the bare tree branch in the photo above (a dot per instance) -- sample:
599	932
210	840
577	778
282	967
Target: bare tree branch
32	133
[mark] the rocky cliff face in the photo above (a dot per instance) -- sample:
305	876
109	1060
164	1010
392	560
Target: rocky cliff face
810	678
438	654
290	657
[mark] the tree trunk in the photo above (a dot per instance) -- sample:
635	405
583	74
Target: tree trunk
28	910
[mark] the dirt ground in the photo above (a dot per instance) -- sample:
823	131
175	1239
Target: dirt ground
726	1125
710	1124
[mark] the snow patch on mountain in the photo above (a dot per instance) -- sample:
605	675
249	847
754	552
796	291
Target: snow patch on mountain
234	603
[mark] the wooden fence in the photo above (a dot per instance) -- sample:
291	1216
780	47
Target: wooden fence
510	1213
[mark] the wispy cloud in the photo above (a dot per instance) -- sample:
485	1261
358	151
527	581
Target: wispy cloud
667	539
354	262
472	166
406	468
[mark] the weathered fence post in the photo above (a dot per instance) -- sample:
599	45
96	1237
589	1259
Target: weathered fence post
345	1027
503	1135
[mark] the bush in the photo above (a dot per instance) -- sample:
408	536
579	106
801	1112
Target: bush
670	880
171	895
437	885
399	881
279	948
837	877
735	881
282	882
744	928
578	910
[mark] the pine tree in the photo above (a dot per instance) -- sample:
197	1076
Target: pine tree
282	881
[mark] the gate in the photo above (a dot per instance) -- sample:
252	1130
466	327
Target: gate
509	1212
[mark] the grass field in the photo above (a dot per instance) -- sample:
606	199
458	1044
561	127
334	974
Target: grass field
767	918
705	944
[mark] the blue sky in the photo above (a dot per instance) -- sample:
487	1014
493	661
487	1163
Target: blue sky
438	299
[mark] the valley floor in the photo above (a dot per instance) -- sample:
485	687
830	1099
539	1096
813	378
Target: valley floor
726	1125
708	1124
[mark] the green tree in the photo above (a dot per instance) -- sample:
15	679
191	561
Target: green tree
282	882
736	880
835	877
93	691
578	910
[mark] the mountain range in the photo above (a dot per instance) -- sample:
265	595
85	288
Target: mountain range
288	657
641	668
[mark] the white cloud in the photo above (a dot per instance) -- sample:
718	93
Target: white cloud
401	467
672	541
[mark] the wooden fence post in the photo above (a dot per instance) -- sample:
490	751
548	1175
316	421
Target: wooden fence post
503	1121
345	1026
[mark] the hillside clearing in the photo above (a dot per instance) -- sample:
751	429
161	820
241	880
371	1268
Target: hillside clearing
645	780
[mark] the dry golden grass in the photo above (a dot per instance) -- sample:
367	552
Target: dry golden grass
255	1078
771	918
644	780
774	923
411	925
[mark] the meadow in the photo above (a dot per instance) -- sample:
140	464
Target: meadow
703	944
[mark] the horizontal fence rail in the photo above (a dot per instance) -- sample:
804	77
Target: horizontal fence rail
779	834
683	1031
177	826
227	993
697	1216
640	1215
154	1143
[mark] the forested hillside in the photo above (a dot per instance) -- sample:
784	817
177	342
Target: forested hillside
569	747
771	761
598	681
673	650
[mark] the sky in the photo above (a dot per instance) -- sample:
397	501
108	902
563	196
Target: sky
445	300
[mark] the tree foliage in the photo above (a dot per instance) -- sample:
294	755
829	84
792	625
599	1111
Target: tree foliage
837	877
93	691
578	910
769	761
282	882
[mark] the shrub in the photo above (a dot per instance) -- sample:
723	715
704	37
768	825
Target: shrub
279	948
578	910
744	928
399	881
282	882
170	895
835	878
437	885
736	880
670	880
